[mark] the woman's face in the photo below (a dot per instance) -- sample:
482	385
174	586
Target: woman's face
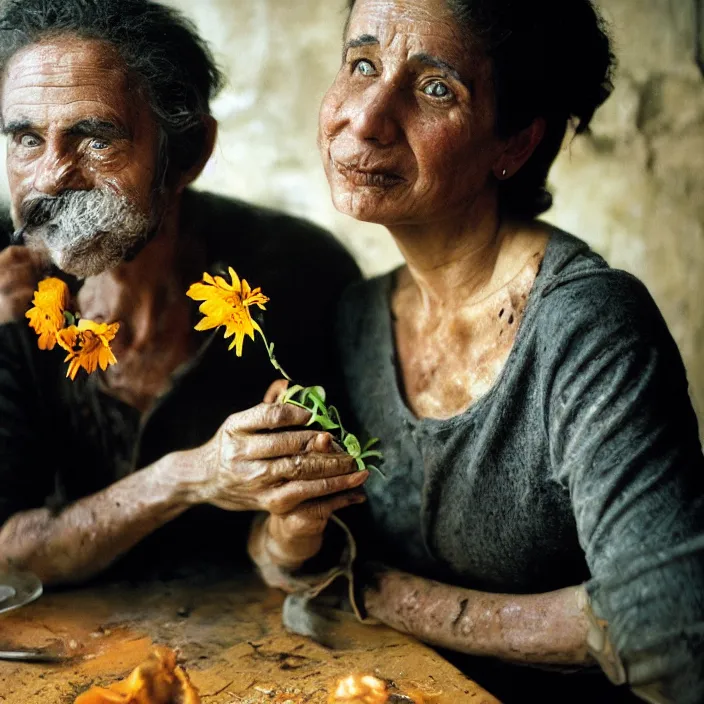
407	127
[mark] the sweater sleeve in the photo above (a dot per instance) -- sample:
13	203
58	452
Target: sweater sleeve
26	478
624	443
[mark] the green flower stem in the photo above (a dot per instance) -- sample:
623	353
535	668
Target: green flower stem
312	399
272	358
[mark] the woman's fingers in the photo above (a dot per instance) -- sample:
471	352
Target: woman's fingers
266	416
291	495
312	466
283	444
310	518
276	391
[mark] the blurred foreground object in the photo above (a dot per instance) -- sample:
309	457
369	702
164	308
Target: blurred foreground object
360	689
158	681
18	589
367	689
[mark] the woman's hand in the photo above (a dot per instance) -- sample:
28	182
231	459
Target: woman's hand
19	274
294	537
289	538
256	462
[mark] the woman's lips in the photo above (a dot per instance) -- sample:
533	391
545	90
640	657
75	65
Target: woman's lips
373	177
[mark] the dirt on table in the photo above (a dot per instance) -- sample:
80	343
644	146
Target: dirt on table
229	638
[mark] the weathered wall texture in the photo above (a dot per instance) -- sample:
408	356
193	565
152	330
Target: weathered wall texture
633	189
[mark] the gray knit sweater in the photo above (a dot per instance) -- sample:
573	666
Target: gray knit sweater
582	463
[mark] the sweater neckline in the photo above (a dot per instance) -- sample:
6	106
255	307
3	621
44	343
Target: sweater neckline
560	250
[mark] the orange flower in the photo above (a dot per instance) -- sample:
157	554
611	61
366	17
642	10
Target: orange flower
228	304
158	681
88	345
46	317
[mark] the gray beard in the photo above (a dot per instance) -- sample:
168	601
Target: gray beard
88	232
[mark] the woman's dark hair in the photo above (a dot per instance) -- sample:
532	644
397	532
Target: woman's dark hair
160	48
550	59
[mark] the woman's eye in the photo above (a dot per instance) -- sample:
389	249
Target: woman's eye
437	89
29	140
98	144
365	68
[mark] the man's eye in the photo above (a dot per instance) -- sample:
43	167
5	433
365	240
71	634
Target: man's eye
29	140
99	144
437	89
365	68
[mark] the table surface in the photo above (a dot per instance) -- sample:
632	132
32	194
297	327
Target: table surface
231	641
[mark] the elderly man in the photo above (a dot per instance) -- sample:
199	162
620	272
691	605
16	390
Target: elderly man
105	104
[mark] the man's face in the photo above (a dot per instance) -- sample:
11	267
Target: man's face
82	153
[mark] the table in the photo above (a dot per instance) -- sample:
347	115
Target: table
231	640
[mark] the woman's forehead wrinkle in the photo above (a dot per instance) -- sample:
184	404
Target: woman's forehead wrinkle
410	28
407	10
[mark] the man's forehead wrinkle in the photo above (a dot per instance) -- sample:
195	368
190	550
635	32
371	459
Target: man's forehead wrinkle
52	75
35	117
55	64
64	51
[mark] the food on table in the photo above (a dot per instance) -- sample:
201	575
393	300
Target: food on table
159	680
360	689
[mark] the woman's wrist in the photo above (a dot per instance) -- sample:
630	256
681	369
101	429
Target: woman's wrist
286	550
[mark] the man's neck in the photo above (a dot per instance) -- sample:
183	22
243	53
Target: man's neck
155	266
147	296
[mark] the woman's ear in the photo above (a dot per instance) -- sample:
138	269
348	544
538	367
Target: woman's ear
519	149
210	128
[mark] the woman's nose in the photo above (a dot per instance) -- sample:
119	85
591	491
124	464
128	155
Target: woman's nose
374	117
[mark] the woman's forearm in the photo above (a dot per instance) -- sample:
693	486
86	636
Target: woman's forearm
536	628
87	536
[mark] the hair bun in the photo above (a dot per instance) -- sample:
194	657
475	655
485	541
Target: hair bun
587	60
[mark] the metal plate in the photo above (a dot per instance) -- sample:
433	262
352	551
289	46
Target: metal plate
18	589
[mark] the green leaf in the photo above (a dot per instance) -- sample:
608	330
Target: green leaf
376	469
370	443
335	415
69	317
318	392
372	453
352	445
325	423
291	392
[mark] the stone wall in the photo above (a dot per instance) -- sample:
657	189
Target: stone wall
633	189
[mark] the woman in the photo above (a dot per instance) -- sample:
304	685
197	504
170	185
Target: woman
541	454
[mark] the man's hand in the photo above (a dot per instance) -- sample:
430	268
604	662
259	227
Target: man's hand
20	272
257	462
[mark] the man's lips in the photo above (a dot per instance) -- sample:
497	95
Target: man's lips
374	176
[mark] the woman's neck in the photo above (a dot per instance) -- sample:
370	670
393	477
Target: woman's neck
453	261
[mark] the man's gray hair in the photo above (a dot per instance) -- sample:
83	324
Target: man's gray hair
160	47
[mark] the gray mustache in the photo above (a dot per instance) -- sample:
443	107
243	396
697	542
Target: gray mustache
39	211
